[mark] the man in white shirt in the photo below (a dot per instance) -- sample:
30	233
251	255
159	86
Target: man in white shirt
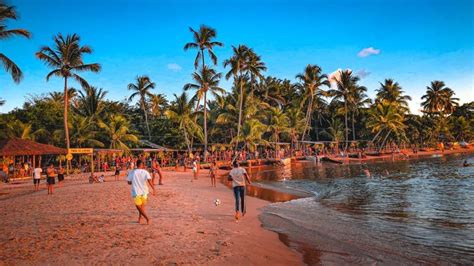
36	177
239	177
139	178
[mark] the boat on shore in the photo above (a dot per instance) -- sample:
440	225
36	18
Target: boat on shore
328	159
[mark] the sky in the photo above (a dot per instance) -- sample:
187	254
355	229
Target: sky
413	42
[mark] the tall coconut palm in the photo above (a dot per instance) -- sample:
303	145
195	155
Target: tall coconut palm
358	100
345	84
142	88
66	57
244	64
203	41
117	129
181	112
237	69
310	83
335	131
9	12
205	80
390	91
439	99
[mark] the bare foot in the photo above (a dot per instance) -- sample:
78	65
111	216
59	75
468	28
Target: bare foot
148	222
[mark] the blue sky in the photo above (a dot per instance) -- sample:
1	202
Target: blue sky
417	41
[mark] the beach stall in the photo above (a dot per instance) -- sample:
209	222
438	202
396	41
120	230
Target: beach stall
20	156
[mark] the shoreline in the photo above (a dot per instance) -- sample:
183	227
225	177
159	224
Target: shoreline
82	223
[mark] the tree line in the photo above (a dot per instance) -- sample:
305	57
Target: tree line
256	110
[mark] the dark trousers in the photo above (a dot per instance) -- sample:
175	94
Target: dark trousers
239	195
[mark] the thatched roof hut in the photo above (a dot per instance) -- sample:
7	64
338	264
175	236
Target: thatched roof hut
19	147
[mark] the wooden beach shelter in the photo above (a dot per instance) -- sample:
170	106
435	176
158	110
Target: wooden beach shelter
27	149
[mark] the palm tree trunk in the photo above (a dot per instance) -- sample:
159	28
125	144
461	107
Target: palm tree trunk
345	122
146	120
186	138
383	143
241	99
205	126
353	128
195	118
66	129
308	118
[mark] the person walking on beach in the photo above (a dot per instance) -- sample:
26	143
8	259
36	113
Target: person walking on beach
36	177
156	169
239	177
50	178
138	179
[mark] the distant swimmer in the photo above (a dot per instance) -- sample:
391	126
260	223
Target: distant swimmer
466	164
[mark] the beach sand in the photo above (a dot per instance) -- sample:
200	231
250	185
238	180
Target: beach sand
86	223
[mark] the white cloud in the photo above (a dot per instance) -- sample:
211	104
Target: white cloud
363	73
368	51
174	67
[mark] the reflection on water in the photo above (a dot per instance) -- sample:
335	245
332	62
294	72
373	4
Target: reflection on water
426	205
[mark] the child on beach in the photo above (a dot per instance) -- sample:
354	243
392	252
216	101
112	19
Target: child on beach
212	173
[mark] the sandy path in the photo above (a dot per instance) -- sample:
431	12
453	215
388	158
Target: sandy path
97	224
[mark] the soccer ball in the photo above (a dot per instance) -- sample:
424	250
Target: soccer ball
217	202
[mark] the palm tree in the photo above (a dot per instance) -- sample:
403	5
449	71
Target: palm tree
66	59
439	99
358	100
311	81
278	123
158	104
206	80
18	129
9	12
345	84
252	132
142	89
296	122
244	64
117	129
203	41
90	102
386	119
390	91
335	131
181	112
237	69
83	133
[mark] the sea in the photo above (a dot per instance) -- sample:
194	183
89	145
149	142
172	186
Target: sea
416	212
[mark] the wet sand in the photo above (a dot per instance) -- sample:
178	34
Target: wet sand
86	223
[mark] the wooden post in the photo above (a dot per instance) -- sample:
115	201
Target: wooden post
92	165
